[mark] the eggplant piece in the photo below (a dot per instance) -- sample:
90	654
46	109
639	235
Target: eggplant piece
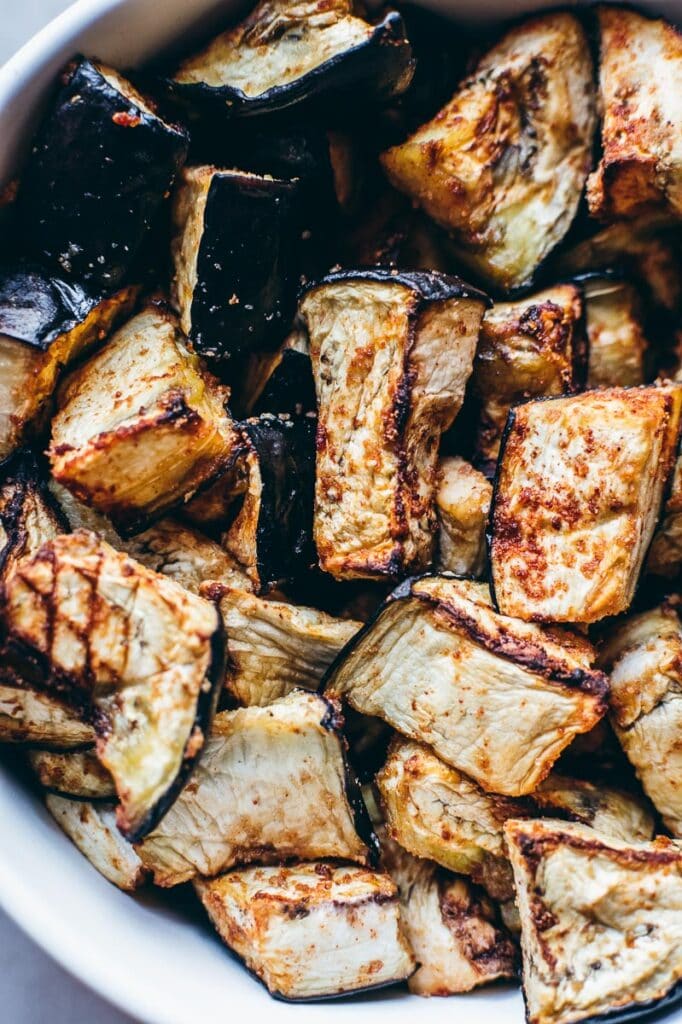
285	52
45	323
577	495
76	773
28	514
243	802
533	348
462	503
644	657
611	812
438	814
665	554
440	666
30	717
392	352
456	935
281	382
141	426
214	508
310	931
600	922
138	652
92	828
275	647
235	260
640	75
617	344
100	167
271	536
502	165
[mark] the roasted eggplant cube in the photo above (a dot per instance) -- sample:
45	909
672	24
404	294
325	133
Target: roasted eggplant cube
438	814
311	930
577	496
440	666
391	353
92	828
284	52
644	660
600	921
99	169
617	344
462	503
533	348
665	553
141	426
31	717
503	164
140	651
271	536
76	773
235	260
640	76
45	324
272	785
610	811
28	514
275	647
454	930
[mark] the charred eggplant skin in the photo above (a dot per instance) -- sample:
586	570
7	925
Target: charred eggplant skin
655	1009
246	266
286	458
290	388
381	65
427	284
36	308
97	173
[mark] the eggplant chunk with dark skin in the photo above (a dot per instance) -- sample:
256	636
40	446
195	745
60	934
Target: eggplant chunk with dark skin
644	659
502	166
287	51
274	647
601	930
577	496
640	77
617	344
462	503
141	426
100	168
28	513
272	785
392	352
442	667
532	348
93	829
453	928
45	323
235	258
144	655
271	535
280	382
76	773
314	930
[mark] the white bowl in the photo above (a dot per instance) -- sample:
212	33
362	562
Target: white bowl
155	956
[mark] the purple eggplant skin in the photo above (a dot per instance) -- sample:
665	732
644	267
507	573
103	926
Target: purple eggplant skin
97	173
285	448
36	307
247	266
290	388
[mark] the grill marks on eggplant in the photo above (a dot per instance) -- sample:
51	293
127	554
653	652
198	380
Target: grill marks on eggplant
141	426
45	324
142	654
391	354
272	785
440	666
600	921
100	167
312	930
287	51
236	259
503	164
577	496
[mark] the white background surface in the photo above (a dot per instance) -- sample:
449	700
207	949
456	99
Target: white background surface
33	989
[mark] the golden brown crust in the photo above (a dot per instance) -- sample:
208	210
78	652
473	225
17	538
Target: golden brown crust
462	503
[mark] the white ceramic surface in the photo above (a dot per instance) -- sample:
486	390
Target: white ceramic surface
155	956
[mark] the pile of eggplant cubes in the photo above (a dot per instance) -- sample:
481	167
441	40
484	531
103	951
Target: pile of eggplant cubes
341	504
